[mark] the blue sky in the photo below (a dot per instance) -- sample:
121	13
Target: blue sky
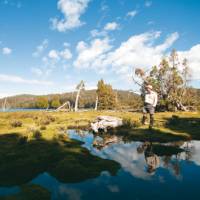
49	46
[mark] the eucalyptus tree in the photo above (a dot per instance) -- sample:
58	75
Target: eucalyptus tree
169	79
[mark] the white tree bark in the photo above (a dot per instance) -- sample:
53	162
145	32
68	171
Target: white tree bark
105	122
62	106
96	103
4	104
79	88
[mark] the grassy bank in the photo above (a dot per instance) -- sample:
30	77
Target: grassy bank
48	124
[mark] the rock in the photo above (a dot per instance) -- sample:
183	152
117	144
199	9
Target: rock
106	122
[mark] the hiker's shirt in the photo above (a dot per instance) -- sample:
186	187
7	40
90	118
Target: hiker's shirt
151	99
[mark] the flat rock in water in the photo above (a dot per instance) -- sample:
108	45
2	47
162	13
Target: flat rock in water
105	122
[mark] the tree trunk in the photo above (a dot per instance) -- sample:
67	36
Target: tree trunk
4	104
77	98
62	106
96	103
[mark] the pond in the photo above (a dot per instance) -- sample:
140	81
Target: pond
147	171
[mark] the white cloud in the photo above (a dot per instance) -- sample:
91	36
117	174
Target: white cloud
96	33
168	42
72	11
11	3
88	55
52	60
6	51
66	54
111	26
37	71
104	6
140	50
72	194
17	79
192	55
58	55
114	188
40	48
132	13
136	51
66	44
150	23
54	54
127	156
148	3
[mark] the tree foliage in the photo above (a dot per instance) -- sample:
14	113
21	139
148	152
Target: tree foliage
106	96
170	80
42	102
55	103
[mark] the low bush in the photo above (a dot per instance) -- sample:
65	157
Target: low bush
43	127
37	134
22	140
15	123
130	123
34	133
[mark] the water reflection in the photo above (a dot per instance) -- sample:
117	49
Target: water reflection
141	159
152	160
148	170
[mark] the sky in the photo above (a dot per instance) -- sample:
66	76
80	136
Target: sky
49	46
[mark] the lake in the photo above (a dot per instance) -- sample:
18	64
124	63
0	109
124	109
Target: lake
148	171
23	110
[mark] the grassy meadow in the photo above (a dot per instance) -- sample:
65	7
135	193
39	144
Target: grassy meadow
49	124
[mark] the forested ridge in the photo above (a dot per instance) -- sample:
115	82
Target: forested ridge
124	99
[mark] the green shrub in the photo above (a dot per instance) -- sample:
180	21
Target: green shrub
51	118
174	120
128	122
15	123
22	140
37	134
43	127
34	133
137	123
45	120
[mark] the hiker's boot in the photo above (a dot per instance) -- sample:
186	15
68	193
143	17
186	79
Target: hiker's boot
144	118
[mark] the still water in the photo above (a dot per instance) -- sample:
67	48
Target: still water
148	171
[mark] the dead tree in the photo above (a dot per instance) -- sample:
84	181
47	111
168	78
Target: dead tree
96	103
4	104
62	106
79	87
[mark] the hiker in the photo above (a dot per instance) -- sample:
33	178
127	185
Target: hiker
152	159
150	101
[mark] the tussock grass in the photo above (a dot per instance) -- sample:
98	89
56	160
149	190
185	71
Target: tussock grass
50	123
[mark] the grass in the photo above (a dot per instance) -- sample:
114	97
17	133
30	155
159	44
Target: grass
185	125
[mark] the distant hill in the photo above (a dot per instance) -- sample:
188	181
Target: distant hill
125	99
